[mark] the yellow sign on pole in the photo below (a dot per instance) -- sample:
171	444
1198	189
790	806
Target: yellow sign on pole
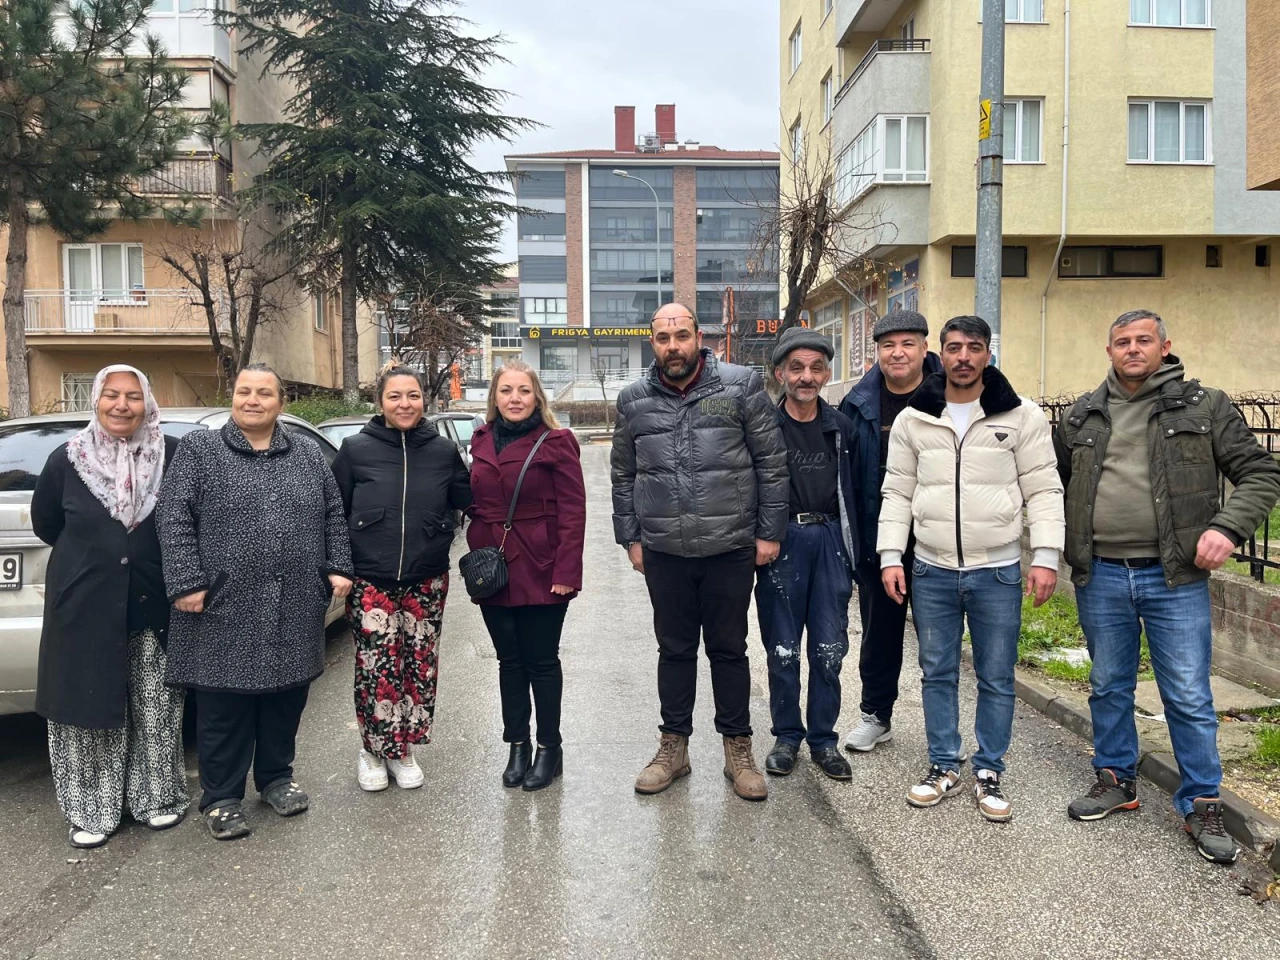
984	119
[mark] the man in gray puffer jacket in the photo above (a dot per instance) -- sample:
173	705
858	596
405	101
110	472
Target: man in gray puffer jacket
700	498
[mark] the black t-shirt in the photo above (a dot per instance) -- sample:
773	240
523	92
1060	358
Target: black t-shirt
811	457
891	404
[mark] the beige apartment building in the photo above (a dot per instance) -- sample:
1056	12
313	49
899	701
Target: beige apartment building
1124	176
1262	92
112	299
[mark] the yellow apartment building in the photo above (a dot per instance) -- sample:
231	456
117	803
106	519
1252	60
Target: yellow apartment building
112	299
1141	102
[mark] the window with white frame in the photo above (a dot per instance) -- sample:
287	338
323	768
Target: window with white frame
1169	131
1024	11
828	98
796	44
905	148
1170	13
546	310
797	143
829	321
319	313
77	391
110	272
1023	122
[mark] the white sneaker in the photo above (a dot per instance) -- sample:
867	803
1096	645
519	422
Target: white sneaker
408	775
933	787
991	801
371	772
864	737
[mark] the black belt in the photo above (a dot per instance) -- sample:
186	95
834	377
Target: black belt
807	518
1133	563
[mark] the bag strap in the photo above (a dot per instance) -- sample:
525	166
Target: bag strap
511	514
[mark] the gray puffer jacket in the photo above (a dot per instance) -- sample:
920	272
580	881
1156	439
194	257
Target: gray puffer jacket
702	474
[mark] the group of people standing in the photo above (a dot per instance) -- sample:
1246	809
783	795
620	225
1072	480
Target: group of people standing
206	567
919	490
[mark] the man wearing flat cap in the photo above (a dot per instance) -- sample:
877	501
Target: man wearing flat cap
808	587
903	361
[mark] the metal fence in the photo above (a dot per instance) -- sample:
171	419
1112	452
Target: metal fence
1261	412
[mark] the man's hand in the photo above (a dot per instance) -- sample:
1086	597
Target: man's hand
192	602
895	583
341	585
635	553
1213	550
1041	582
766	551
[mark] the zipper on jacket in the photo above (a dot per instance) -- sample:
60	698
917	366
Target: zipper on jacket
404	497
959	538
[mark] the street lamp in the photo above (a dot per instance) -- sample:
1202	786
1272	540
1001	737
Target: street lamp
657	223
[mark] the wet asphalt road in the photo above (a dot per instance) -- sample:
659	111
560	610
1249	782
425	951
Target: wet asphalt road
463	868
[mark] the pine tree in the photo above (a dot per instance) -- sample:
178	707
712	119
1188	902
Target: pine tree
81	120
370	166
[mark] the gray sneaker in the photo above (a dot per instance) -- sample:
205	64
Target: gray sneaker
1107	796
866	735
1204	823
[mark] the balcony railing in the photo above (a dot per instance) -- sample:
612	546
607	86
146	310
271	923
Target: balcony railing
117	312
628	234
881	46
208	176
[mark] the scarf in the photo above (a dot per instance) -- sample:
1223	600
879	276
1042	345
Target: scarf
505	432
122	474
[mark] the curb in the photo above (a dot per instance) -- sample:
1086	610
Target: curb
1250	826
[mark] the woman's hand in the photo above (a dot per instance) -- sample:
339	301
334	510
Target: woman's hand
192	602
341	585
560	590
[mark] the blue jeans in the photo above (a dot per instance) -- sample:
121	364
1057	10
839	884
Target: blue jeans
807	589
1114	607
992	600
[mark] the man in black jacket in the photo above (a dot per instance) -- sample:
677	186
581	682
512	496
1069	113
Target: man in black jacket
809	586
699	500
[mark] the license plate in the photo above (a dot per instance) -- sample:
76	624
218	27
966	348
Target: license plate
10	571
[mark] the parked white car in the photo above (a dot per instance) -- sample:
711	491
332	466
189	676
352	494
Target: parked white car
25	445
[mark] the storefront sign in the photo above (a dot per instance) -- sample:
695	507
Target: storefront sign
572	333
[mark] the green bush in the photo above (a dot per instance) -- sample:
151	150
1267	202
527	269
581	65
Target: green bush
1268	749
318	409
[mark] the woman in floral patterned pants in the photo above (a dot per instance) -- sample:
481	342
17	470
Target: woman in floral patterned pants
401	485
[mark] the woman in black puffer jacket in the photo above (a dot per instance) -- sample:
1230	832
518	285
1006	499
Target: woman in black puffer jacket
401	483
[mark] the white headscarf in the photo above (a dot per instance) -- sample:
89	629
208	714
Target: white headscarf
124	474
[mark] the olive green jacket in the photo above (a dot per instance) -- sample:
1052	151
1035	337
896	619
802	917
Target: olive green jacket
1195	436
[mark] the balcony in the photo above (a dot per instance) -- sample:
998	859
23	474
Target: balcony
893	78
187	33
116	313
207	177
863	16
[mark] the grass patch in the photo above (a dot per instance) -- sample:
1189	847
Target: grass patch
1054	624
1267	752
1241	568
1061	670
320	409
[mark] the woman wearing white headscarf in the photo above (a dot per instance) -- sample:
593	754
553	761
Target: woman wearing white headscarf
115	729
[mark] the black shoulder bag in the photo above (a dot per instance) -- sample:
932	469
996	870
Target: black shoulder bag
484	571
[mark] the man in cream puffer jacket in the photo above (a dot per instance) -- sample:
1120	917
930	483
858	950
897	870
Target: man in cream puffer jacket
964	459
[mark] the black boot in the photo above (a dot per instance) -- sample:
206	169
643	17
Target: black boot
517	765
548	763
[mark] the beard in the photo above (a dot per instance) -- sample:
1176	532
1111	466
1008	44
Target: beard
679	367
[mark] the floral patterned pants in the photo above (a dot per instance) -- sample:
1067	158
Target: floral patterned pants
396	632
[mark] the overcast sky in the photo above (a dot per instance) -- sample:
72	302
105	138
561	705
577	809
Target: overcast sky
571	61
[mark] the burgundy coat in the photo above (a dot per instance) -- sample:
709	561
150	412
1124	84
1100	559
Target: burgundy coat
544	546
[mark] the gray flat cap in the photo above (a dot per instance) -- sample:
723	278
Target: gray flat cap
900	321
800	338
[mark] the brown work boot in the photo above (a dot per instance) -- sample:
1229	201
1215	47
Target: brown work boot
669	764
740	767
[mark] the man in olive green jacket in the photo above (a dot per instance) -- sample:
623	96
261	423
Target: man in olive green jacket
1141	459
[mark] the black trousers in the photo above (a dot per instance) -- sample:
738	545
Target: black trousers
527	641
237	730
707	596
883	625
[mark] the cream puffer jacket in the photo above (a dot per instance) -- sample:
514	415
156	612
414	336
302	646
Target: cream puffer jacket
965	497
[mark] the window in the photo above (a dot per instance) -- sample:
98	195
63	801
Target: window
1213	255
110	272
1024	11
504	335
629	266
551	310
1111	262
797	143
908	31
562	360
729	225
628	224
1013	261
904	149
745	185
77	391
605	186
728	266
1022	125
829	321
540	184
1262	255
543	270
903	158
1169	13
826	7
318	312
545	226
828	98
1169	131
797	48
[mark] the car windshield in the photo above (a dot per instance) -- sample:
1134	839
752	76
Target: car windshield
337	432
24	448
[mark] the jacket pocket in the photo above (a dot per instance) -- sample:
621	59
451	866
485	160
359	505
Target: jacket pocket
438	526
215	589
366	518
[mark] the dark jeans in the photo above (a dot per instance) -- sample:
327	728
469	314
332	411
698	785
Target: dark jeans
806	590
707	596
237	730
527	641
883	624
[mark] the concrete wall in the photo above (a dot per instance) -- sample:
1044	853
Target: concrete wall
1262	93
1236	210
1246	631
894	82
685	236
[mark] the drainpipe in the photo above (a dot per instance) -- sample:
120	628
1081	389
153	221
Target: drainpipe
1066	145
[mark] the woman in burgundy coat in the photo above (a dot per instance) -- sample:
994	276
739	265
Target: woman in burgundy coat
544	560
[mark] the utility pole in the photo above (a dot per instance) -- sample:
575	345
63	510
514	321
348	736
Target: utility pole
990	236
